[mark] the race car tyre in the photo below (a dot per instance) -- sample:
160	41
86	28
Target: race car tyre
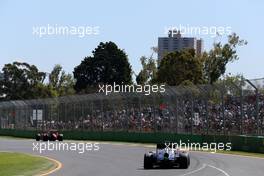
45	138
147	162
184	162
38	137
60	138
52	138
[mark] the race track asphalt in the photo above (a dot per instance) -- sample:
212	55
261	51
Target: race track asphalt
127	160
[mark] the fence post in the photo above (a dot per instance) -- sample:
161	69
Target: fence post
223	107
241	111
207	116
241	106
192	104
257	104
176	114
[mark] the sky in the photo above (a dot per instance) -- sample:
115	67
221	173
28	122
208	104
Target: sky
133	25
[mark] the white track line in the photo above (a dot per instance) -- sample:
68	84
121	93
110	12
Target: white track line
194	171
221	170
204	166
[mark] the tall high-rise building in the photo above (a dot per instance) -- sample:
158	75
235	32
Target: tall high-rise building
175	42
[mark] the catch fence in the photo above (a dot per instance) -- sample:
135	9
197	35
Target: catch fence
228	108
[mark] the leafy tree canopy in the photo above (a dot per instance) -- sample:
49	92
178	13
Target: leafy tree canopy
60	82
108	64
216	60
20	81
180	66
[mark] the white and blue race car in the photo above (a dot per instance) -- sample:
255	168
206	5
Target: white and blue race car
166	155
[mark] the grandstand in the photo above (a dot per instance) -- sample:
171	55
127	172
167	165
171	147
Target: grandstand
227	109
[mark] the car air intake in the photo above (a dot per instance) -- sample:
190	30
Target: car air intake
166	155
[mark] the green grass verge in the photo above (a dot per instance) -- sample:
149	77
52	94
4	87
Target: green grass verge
18	164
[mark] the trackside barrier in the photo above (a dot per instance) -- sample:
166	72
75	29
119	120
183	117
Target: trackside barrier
17	133
239	143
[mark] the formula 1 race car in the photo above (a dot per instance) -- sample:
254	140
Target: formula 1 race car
167	156
51	135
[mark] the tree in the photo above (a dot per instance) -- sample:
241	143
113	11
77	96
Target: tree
216	60
180	67
60	82
108	64
149	70
231	84
21	81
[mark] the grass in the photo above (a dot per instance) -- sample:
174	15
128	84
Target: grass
18	164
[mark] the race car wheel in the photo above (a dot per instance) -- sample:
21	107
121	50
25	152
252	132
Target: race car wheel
52	138
147	162
38	137
45	138
60	138
184	162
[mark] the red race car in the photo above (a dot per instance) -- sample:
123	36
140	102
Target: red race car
51	135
